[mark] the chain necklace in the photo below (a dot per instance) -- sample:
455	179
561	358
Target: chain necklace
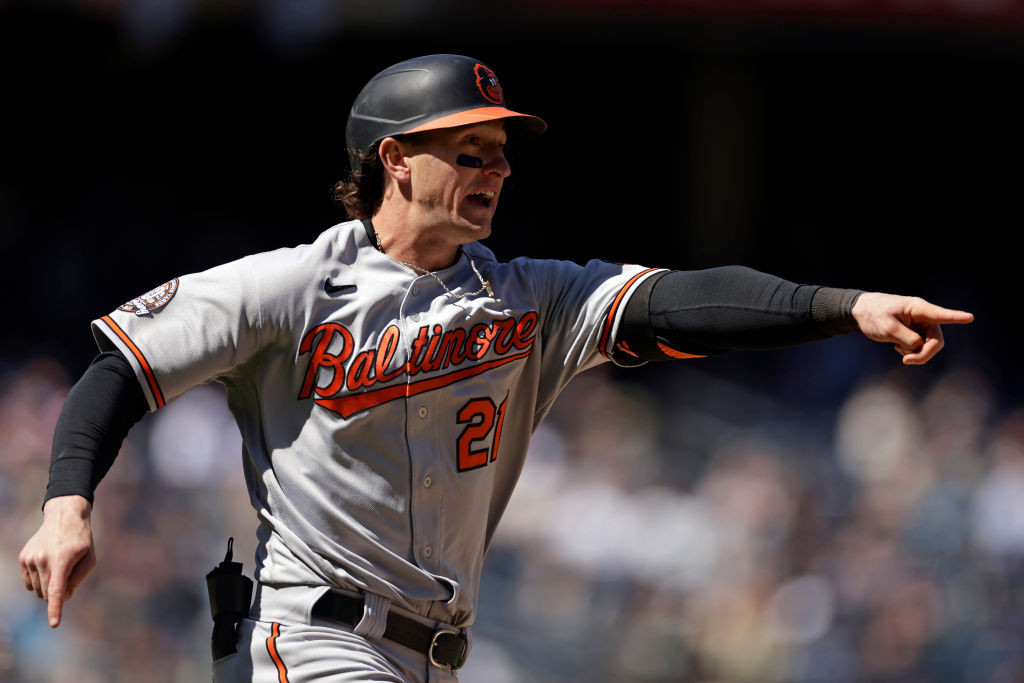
484	284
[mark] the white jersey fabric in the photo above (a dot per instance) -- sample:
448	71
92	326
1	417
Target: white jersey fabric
384	420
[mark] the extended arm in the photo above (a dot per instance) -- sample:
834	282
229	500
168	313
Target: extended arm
99	410
701	313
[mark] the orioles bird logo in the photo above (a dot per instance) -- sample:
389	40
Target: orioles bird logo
488	84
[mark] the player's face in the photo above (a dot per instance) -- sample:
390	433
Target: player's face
454	197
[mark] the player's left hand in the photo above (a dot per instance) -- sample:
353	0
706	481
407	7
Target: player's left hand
911	324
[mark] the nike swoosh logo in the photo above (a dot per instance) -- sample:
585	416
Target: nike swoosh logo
331	288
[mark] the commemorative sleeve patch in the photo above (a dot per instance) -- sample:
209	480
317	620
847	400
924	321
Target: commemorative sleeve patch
154	299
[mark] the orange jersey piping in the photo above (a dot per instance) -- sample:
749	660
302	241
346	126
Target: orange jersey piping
158	395
610	320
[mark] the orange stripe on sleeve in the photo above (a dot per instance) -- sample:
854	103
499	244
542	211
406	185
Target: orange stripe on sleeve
625	347
282	670
158	395
610	320
672	353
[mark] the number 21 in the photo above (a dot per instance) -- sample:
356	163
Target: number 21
479	417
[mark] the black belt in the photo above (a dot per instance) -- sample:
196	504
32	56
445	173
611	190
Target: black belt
444	648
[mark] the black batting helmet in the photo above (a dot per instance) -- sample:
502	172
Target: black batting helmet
427	93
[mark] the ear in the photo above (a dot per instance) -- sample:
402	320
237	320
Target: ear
395	159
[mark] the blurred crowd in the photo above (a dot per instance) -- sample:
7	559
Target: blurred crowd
692	529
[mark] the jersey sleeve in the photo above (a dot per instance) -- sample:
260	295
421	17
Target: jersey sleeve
191	330
580	307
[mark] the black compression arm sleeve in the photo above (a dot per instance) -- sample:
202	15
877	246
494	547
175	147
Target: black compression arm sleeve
710	311
97	414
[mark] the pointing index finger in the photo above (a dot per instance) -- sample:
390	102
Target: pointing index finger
55	595
925	311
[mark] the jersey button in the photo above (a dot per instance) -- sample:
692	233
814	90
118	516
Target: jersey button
415	290
427	481
428	551
422	412
415	317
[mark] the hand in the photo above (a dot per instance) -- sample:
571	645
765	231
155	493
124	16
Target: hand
61	554
911	324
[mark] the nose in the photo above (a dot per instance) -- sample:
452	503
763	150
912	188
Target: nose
498	165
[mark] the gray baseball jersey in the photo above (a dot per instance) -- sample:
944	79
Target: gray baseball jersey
384	420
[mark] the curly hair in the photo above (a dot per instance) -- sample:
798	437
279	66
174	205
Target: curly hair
361	192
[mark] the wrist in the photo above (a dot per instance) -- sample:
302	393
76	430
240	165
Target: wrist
832	310
73	505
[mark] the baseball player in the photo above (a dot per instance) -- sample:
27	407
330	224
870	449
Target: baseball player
387	377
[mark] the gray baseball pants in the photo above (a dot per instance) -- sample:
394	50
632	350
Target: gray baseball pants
282	643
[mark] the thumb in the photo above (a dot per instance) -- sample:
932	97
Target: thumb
905	338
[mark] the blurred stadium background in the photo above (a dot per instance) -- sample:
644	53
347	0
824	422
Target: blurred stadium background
808	515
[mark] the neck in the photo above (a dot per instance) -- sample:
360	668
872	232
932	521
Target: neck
410	244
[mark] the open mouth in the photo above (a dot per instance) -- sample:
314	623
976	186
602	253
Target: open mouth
483	198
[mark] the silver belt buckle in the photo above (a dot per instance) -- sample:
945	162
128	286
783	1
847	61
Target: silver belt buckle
433	642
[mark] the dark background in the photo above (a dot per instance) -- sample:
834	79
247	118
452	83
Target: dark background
866	143
866	149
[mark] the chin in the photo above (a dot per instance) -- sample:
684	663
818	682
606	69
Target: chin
483	232
476	230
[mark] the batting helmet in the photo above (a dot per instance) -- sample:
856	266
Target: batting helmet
427	93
